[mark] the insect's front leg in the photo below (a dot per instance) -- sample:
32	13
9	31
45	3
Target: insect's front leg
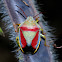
37	20
43	36
16	27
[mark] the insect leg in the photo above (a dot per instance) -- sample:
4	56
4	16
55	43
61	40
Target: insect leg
43	36
37	20
18	49
17	40
42	31
16	27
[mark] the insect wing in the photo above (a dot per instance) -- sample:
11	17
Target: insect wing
36	40
22	39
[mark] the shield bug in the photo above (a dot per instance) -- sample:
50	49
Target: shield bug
29	35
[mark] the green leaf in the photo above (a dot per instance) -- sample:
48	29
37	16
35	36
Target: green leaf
1	32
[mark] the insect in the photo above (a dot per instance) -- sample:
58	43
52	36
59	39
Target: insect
29	35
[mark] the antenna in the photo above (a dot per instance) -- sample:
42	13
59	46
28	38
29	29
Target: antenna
22	10
37	14
21	14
